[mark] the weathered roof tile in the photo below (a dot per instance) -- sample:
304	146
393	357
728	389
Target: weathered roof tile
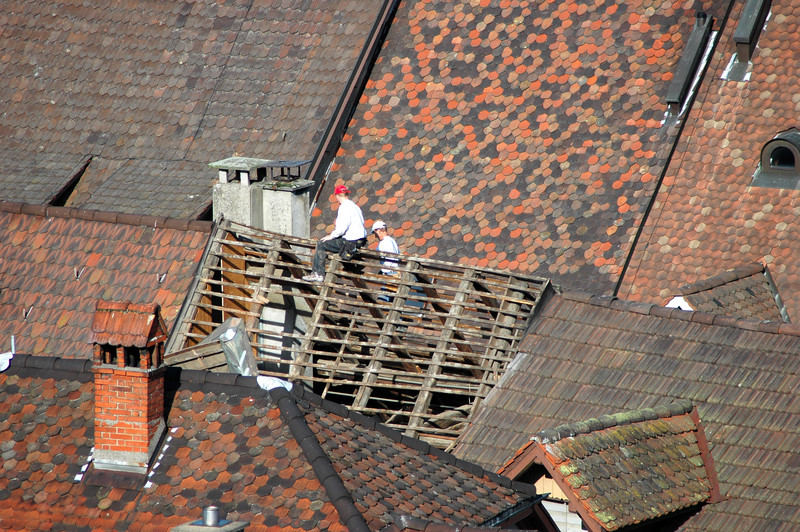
58	267
742	380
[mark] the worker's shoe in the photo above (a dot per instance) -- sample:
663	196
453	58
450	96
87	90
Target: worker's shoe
313	278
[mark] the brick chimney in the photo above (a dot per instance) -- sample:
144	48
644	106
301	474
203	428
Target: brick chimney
128	351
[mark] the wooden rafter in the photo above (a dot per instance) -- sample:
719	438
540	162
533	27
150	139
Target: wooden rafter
418	349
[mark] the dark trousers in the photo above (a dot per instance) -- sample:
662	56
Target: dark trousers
321	253
335	245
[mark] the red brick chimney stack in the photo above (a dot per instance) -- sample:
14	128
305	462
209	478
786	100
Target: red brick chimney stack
129	384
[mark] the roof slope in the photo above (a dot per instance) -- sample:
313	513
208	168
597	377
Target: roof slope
525	136
744	292
588	356
58	262
251	452
707	215
157	90
627	468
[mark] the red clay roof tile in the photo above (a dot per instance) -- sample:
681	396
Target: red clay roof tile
477	130
708	217
56	268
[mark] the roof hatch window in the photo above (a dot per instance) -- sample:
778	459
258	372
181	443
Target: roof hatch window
782	157
780	162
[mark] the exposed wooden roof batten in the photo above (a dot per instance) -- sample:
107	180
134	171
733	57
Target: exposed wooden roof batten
419	349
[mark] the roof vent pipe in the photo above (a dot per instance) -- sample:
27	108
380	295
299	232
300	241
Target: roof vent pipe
210	516
689	61
752	20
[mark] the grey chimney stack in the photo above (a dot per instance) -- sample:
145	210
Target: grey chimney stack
263	193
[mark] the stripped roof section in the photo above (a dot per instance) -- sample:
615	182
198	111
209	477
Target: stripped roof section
157	90
746	292
58	262
259	456
419	349
586	356
628	468
524	134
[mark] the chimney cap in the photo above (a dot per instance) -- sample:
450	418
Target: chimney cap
250	163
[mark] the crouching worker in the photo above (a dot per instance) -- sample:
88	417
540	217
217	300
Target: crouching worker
347	236
386	244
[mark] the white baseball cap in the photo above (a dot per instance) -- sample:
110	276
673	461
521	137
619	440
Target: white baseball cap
379	224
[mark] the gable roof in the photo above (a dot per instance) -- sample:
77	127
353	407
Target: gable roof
586	356
708	214
627	468
154	91
276	459
744	292
525	136
127	324
58	262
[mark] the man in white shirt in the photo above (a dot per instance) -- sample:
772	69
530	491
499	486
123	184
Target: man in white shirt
348	233
386	244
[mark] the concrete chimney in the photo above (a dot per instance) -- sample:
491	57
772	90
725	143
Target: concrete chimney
128	349
263	193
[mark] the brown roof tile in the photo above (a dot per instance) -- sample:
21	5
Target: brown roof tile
627	468
584	358
156	91
56	267
707	215
747	292
284	460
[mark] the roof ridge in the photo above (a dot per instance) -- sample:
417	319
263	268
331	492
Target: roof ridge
706	318
51	211
319	460
50	367
417	444
739	272
629	417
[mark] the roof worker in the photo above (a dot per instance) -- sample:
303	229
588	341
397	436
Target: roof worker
386	244
348	234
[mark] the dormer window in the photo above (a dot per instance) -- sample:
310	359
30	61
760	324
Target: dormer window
780	162
782	157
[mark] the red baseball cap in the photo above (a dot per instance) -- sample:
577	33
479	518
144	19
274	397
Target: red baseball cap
341	189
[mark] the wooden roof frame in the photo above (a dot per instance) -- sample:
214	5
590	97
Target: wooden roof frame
419	350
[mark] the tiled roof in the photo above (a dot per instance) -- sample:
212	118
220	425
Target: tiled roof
707	215
588	356
627	468
58	262
744	292
126	324
525	135
276	459
157	90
